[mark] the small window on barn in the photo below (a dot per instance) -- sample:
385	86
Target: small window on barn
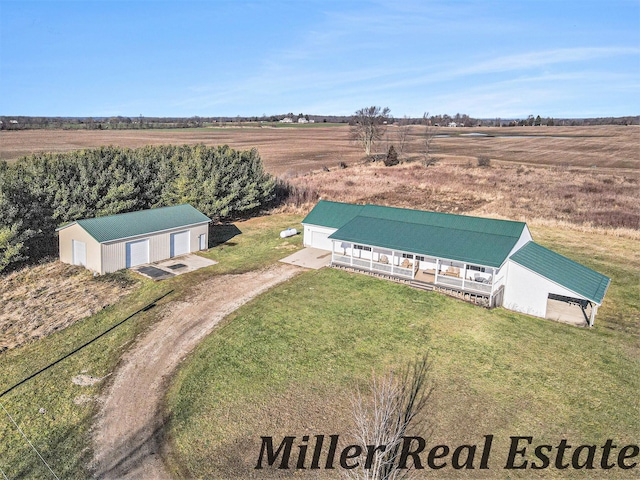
407	255
420	258
362	247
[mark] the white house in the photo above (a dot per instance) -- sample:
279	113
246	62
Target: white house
491	262
107	244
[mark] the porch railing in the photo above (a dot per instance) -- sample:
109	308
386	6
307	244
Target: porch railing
374	267
468	284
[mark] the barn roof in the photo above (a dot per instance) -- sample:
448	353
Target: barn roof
142	222
563	271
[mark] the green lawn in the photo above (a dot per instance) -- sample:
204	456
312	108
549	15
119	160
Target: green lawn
61	433
287	363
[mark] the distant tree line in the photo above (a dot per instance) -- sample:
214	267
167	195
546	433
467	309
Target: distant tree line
141	122
43	191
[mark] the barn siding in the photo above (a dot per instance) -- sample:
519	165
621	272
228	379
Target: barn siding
195	233
76	232
527	292
114	254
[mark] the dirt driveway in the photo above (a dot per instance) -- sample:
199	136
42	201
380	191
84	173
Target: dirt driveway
129	430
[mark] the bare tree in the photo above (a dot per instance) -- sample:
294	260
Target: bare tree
429	134
385	418
403	134
368	126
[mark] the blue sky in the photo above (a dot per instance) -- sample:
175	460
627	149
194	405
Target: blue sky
507	59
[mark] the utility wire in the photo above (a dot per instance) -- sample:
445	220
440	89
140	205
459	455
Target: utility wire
29	442
145	308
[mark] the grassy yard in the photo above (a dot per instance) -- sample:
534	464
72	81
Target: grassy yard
287	364
61	430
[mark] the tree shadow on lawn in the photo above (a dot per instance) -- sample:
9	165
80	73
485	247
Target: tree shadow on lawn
222	233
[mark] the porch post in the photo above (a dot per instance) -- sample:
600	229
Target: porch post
592	317
333	251
493	282
371	260
351	254
393	260
415	265
464	274
437	270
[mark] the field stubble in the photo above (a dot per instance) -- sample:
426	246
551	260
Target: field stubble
290	151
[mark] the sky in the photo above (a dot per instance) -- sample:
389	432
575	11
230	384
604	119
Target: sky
487	59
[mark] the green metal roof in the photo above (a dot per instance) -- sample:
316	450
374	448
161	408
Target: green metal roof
446	220
477	247
332	214
125	225
337	214
563	271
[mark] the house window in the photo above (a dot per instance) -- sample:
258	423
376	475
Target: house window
476	268
407	255
362	247
420	258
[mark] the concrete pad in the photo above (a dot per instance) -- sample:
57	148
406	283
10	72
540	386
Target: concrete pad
153	273
173	266
313	258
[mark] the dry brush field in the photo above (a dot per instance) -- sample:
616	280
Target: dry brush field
585	176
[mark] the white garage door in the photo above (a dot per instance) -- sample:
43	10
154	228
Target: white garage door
320	240
179	243
137	253
79	253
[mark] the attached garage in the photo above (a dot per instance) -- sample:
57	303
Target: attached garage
323	222
107	244
318	237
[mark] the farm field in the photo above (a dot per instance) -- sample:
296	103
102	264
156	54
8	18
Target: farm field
294	150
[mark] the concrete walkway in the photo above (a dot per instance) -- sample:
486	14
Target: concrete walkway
308	257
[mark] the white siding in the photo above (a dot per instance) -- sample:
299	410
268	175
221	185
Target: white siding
67	235
527	291
114	254
525	237
317	237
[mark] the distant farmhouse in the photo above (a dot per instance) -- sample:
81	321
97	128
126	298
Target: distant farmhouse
491	262
107	244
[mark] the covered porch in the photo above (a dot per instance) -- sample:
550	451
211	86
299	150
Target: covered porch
417	268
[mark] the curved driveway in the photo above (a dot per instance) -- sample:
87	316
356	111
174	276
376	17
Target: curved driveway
129	428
